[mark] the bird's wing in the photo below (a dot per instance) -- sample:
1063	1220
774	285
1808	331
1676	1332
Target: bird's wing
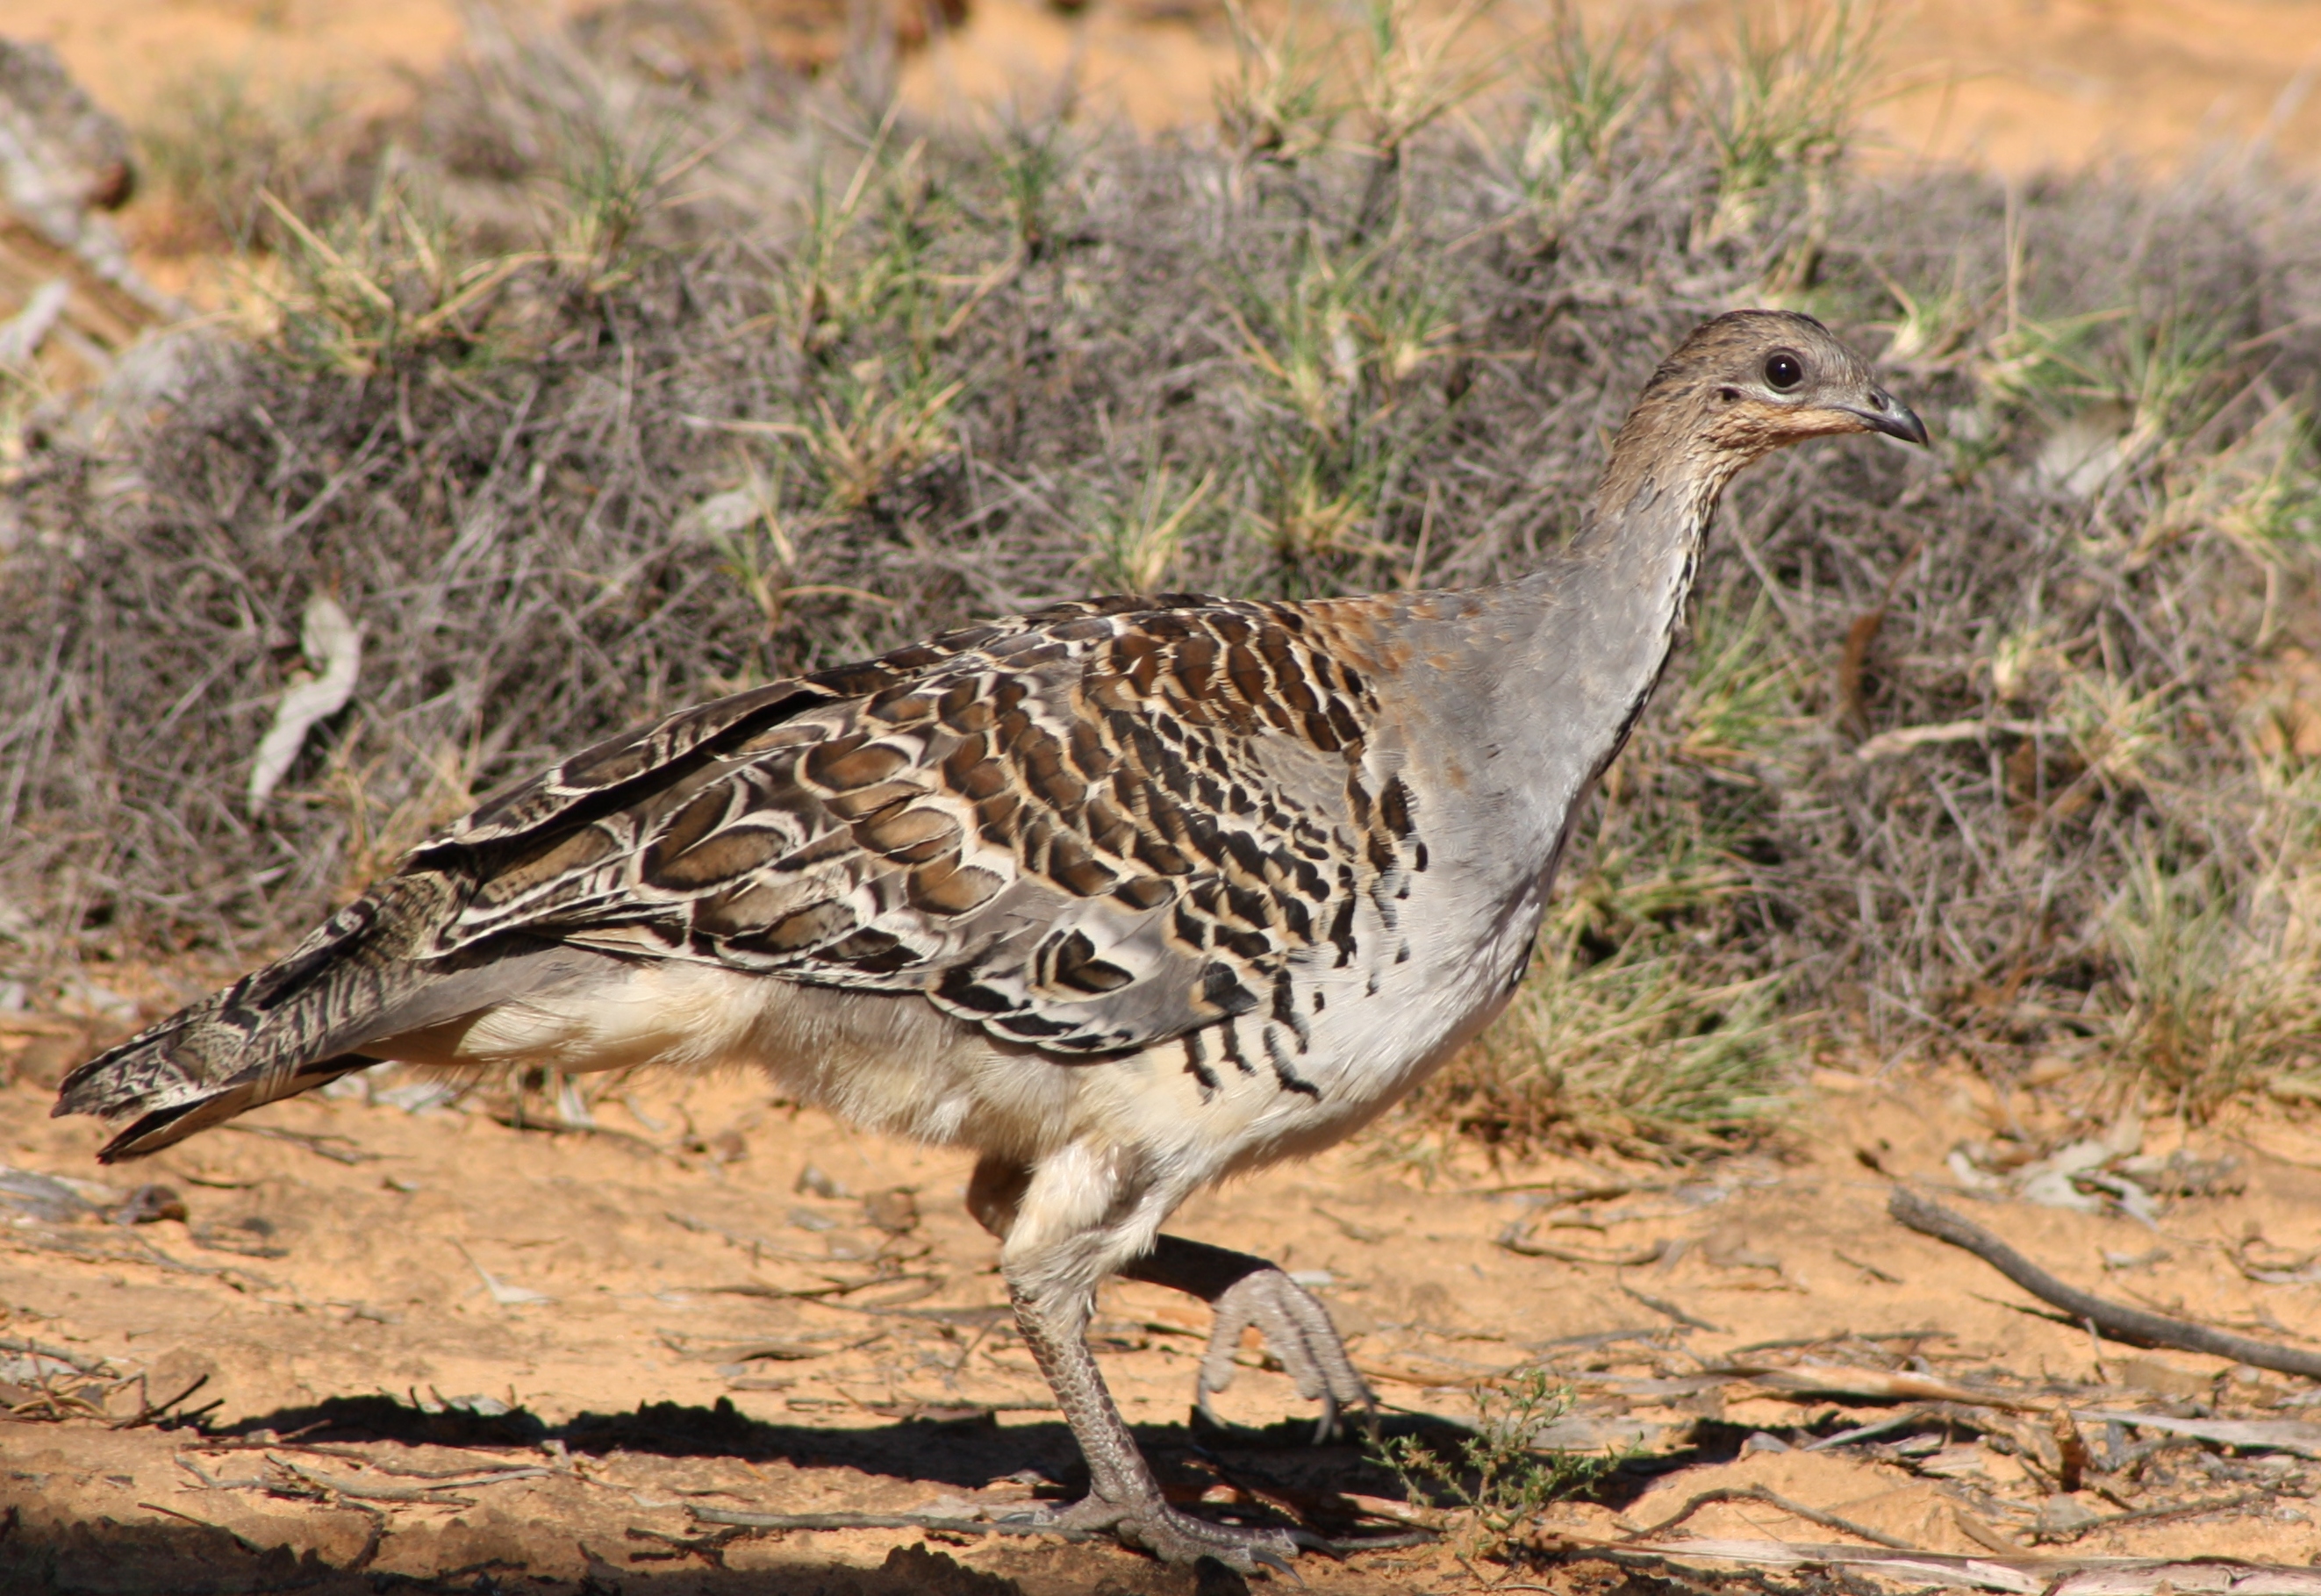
1087	829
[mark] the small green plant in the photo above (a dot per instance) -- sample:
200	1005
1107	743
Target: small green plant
1134	538
1632	1052
1781	103
1739	703
2262	491
610	181
1332	352
354	293
859	263
1029	161
1581	91
2215	1004
1409	76
884	428
2117	391
1499	1479
1275	106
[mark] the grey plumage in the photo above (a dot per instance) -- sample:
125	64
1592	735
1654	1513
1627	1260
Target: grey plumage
1126	895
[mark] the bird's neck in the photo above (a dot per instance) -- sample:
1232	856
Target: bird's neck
1587	636
1608	611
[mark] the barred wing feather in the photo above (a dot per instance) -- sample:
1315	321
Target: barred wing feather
1087	829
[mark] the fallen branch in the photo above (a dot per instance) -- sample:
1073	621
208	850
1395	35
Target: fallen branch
128	1249
516	1121
1773	1499
1869	1432
433	1495
78	1362
1789	1342
2133	1324
251	1547
709	1548
150	1411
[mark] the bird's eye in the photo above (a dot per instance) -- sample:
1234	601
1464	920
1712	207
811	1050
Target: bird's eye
1783	371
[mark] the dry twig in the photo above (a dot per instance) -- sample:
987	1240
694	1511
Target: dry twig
2133	1324
1771	1499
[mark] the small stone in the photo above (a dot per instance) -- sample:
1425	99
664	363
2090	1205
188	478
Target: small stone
812	1181
151	1204
893	1212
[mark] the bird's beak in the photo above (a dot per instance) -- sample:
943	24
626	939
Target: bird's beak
1885	413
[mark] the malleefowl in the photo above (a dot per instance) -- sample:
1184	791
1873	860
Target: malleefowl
1127	895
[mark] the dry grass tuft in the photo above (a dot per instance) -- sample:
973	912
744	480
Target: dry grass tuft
587	393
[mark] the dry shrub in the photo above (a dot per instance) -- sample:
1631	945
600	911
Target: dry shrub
605	392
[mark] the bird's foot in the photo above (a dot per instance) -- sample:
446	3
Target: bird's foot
1175	1537
1298	1329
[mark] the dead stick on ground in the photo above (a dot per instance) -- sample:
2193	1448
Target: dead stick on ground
2128	1324
1658	1306
2181	1511
1627	1260
1773	1499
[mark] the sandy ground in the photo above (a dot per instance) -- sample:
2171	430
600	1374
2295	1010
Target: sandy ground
2023	84
712	1300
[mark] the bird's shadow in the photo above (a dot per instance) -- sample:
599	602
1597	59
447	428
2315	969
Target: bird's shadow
968	1452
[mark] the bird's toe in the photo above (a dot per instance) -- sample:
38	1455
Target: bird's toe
1172	1535
1298	1329
1182	1540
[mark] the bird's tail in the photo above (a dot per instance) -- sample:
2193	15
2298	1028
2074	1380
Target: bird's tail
300	1023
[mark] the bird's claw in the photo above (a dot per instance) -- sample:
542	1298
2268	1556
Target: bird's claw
1175	1537
1298	1329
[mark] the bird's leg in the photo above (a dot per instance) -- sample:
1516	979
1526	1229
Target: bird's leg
1245	1290
1063	1226
1123	1495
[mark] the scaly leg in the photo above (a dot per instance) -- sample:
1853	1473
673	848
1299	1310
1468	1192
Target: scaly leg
1063	1227
1122	1496
1243	1290
1247	1290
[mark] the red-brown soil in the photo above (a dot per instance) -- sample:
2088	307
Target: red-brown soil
713	1301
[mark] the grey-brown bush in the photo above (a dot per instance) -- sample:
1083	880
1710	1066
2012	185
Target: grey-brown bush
597	394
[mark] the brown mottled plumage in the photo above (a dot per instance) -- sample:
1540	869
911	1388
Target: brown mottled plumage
1125	894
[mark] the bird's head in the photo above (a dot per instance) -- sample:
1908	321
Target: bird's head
1750	382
